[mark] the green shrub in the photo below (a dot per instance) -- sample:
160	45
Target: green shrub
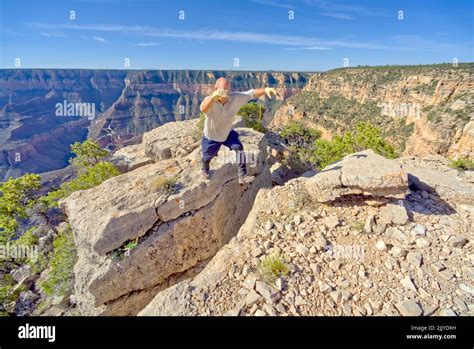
434	117
20	200
17	195
358	226
28	238
8	292
252	115
299	160
328	151
60	278
273	266
307	150
365	136
118	254
300	139
6	285
297	134
40	263
88	154
131	245
164	184
462	164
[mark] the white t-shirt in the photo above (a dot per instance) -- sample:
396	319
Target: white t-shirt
220	117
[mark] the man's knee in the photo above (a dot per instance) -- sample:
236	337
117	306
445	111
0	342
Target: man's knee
206	157
209	149
237	147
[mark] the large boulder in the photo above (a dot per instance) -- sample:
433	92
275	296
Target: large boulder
173	139
144	230
364	173
129	158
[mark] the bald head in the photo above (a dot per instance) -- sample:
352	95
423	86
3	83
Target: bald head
222	83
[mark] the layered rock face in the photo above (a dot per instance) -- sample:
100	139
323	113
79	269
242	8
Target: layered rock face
144	230
423	110
409	255
33	138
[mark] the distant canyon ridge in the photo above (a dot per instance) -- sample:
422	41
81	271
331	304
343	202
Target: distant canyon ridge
421	109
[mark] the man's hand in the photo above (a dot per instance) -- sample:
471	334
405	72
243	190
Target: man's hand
217	94
214	97
269	91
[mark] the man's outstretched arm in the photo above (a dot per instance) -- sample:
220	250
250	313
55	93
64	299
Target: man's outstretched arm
269	91
244	97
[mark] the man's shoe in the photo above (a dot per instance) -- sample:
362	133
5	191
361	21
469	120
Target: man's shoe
206	174
246	179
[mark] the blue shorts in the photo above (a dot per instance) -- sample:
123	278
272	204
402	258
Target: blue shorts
210	148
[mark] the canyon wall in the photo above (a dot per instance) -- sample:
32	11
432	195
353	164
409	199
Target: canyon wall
422	109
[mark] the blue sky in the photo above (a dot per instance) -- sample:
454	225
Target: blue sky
259	33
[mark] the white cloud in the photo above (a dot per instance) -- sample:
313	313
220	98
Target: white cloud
329	8
395	43
273	3
101	39
146	44
335	8
306	48
210	34
338	15
52	35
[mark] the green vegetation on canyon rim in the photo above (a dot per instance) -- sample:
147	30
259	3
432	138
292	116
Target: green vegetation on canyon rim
252	115
59	280
463	164
21	198
309	151
27	215
92	171
342	113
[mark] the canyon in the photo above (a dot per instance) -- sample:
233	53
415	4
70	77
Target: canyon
422	109
159	239
127	104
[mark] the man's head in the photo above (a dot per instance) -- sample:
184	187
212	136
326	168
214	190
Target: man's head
222	84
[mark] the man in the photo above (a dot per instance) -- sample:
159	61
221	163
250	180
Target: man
220	109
